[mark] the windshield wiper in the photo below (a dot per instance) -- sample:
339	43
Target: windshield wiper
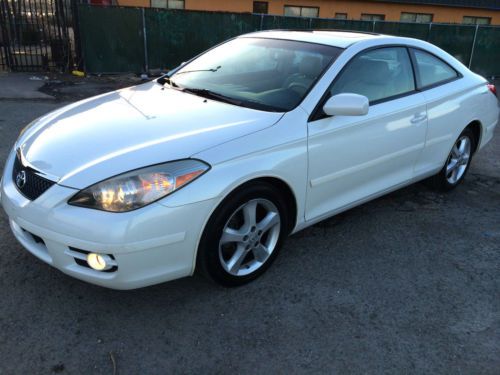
212	95
200	70
167	79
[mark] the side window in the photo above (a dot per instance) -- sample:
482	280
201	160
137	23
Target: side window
377	74
431	70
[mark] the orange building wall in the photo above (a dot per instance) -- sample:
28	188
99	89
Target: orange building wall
328	8
134	3
353	8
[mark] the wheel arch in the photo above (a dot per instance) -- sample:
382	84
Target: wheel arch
279	183
477	130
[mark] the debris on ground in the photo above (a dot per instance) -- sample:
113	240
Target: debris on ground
38	78
70	87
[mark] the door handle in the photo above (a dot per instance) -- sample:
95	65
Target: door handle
419	117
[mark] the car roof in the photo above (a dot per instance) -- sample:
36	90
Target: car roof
336	38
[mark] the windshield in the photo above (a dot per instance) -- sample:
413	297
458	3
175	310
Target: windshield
265	74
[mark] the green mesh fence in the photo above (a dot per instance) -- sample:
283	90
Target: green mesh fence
410	30
322	23
486	57
279	22
177	36
455	39
113	39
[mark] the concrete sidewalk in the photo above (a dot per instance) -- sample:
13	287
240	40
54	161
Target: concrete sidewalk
22	86
60	87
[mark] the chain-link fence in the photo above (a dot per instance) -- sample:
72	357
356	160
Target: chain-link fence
123	39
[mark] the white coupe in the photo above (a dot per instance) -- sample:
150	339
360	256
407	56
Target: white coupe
210	167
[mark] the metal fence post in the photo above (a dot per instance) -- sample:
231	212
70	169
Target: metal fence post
76	34
373	26
145	39
261	20
473	46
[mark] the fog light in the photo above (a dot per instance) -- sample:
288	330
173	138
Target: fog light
99	262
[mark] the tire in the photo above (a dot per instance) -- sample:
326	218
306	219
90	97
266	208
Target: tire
234	249
457	163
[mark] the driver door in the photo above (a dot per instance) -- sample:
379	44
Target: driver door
354	158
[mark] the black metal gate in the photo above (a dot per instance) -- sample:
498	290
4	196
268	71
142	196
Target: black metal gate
38	35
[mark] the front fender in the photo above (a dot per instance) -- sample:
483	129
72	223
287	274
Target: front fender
253	156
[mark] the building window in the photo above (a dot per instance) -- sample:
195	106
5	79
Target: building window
372	17
341	16
168	4
476	20
416	17
301	11
261	7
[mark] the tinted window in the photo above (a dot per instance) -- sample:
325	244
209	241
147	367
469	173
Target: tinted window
432	70
377	74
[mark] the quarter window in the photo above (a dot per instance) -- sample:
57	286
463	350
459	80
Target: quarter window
432	70
377	74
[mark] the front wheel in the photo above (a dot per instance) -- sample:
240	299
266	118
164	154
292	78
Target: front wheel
244	235
457	163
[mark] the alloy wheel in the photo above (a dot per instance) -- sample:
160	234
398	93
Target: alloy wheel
249	237
458	160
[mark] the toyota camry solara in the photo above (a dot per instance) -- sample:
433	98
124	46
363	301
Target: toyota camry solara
210	167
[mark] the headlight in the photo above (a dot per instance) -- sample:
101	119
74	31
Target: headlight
140	187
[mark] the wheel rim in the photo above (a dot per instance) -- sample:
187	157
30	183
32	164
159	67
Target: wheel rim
249	237
458	160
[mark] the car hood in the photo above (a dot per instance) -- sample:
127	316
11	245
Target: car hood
100	137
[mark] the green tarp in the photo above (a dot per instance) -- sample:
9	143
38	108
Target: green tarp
113	38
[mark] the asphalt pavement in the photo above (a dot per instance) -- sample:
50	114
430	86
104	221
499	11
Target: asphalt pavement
406	284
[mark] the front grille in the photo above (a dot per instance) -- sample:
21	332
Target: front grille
33	185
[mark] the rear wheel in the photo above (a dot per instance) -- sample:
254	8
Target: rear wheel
457	163
244	235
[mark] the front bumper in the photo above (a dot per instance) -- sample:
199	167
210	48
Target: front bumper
151	245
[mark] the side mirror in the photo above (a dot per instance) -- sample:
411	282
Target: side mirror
346	105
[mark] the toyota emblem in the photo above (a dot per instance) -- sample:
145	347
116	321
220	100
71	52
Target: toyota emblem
21	179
